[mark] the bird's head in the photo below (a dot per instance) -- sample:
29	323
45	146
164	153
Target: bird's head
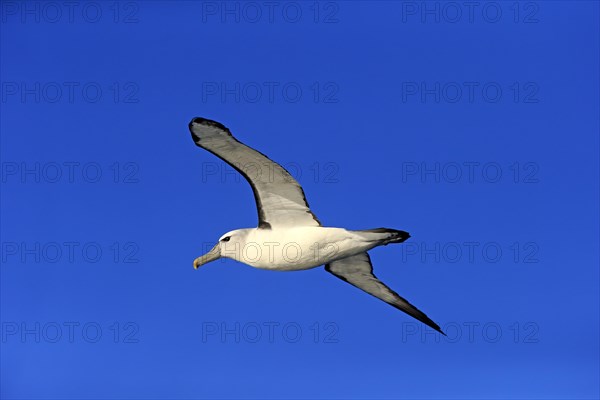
228	246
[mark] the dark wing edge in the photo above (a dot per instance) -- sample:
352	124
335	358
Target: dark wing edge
358	271
262	220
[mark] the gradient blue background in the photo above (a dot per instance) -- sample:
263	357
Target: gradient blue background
168	51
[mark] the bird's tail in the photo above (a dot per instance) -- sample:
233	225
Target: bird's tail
384	235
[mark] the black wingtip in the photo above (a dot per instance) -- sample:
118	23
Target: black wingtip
398	236
205	122
404	235
433	325
208	122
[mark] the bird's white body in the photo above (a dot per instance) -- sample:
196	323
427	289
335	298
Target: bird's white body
294	248
289	236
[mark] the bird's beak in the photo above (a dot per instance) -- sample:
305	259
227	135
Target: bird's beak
212	255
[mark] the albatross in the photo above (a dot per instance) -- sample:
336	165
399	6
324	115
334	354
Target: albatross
289	236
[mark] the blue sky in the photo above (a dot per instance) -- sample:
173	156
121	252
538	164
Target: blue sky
473	128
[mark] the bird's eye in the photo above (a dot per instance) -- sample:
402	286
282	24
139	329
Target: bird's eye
226	238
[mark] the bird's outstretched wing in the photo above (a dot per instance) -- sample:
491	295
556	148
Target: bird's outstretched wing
358	271
279	198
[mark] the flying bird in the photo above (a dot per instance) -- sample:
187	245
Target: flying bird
289	236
